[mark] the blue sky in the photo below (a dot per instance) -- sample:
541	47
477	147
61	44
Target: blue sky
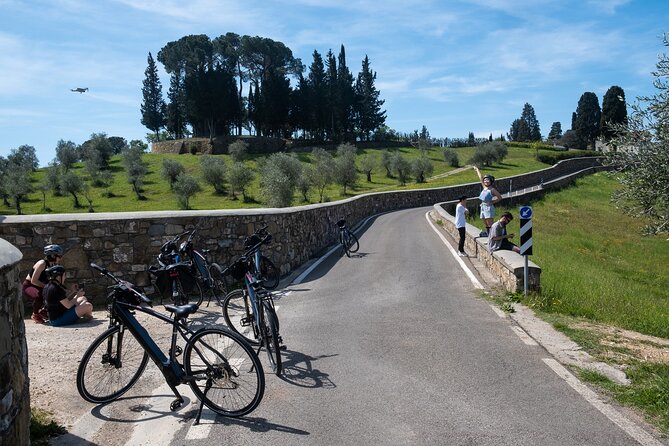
453	66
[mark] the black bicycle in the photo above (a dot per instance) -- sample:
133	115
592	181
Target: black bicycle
250	313
219	365
265	270
347	239
174	276
209	274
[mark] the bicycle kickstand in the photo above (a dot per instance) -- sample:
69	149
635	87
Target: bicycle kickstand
199	412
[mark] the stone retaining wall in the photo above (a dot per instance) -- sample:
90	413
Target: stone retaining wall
127	243
14	383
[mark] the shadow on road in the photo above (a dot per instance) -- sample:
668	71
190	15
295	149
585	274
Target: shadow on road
299	371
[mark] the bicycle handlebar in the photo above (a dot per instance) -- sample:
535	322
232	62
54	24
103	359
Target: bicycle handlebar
123	284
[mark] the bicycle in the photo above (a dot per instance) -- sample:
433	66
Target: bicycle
250	313
219	365
347	239
209	274
264	268
174	278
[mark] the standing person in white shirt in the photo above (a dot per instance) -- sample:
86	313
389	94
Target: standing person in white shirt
460	212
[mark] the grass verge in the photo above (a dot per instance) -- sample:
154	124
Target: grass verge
606	287
43	427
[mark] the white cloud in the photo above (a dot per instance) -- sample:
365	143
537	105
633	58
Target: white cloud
607	6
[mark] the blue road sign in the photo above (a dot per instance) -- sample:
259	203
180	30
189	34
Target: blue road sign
525	212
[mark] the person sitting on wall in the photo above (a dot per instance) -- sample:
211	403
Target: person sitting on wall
64	309
498	239
35	281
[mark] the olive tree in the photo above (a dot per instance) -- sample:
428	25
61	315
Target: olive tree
185	187
171	170
280	173
345	173
642	155
213	172
239	177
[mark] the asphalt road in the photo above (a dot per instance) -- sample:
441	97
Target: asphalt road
395	346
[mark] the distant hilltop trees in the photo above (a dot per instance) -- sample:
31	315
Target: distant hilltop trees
233	83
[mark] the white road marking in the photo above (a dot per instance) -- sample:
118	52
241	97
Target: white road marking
158	424
522	334
467	271
498	311
202	430
631	428
313	266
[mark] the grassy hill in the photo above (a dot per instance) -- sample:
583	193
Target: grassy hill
160	197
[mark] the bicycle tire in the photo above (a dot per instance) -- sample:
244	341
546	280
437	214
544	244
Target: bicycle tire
270	336
353	244
269	273
228	376
236	307
343	239
113	378
219	286
194	296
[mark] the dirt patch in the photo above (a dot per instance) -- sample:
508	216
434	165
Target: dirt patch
54	354
624	345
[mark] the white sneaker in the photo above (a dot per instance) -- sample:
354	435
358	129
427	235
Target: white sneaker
462	254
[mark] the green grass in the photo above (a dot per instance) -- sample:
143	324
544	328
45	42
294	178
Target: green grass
43	427
598	268
160	197
595	263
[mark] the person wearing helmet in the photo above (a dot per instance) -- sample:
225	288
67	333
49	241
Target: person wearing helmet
36	280
64	308
489	197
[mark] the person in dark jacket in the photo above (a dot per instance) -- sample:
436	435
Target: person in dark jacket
64	308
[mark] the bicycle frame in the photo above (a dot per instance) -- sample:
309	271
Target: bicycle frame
169	367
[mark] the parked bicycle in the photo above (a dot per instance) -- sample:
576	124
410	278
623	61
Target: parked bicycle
347	239
174	278
250	312
208	274
219	365
265	270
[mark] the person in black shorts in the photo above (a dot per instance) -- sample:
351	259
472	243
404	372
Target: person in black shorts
64	309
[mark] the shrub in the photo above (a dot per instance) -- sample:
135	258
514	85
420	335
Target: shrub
185	187
451	157
213	172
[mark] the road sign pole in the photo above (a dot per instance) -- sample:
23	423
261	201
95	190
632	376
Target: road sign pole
525	240
526	275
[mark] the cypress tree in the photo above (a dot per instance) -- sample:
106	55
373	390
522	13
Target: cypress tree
153	107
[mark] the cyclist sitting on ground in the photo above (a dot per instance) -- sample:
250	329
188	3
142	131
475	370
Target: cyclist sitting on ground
64	309
35	281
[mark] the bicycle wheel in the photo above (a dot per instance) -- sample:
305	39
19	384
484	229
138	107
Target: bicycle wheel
239	317
194	294
270	327
110	366
269	273
343	239
228	376
353	244
219	287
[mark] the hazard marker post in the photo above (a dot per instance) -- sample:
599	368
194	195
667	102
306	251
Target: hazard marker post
525	238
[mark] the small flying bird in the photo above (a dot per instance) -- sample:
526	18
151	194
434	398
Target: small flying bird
79	90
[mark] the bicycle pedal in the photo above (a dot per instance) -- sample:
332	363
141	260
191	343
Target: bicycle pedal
177	352
246	321
283	347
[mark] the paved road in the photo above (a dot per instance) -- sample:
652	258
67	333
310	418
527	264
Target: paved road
395	346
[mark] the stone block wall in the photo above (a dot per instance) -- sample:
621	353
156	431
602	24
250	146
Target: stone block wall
127	243
14	383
